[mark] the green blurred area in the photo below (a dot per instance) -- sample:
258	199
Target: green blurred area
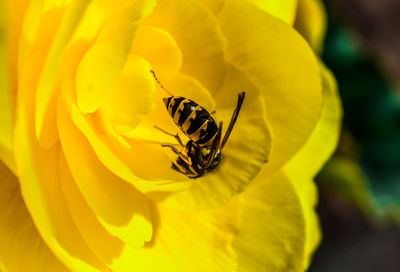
366	168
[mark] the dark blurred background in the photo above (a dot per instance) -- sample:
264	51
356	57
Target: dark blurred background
359	203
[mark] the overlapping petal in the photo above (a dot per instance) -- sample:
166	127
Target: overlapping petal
272	231
11	13
21	246
311	22
102	64
309	160
65	21
5	93
39	178
323	140
284	9
122	210
159	48
281	65
197	34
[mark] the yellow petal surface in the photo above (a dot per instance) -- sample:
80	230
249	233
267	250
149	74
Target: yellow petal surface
159	48
131	97
48	208
39	28
244	155
311	22
204	236
105	246
192	240
213	5
13	13
323	140
282	9
207	234
6	107
38	173
282	66
271	236
102	64
197	34
21	247
285	10
122	210
265	226
46	124
111	250
310	159
308	193
11	16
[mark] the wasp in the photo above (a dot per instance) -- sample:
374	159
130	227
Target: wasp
202	153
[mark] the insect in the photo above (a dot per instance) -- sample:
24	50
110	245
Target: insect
202	153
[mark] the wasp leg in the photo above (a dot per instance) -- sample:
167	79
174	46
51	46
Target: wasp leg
177	169
179	153
182	167
176	136
213	112
214	147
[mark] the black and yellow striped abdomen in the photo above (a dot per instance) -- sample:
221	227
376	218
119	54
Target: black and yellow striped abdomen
195	121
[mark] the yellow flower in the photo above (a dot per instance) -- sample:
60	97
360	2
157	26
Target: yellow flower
95	189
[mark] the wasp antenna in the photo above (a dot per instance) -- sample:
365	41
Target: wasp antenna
233	119
159	83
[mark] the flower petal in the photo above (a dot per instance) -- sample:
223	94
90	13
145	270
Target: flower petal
197	34
46	123
39	28
19	239
102	64
282	66
209	232
204	236
311	22
244	155
309	160
271	236
196	240
323	140
6	114
131	97
38	173
11	14
159	48
282	9
308	192
110	249
122	210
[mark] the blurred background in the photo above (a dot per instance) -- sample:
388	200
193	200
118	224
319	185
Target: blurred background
359	203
